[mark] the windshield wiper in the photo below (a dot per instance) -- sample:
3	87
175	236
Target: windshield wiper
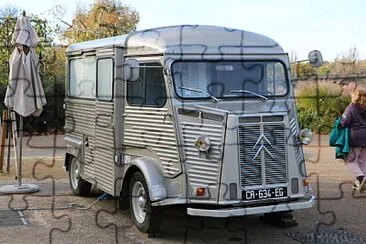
250	92
199	91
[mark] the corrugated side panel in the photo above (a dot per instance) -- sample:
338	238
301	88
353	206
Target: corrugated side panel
153	128
298	148
79	121
104	156
202	170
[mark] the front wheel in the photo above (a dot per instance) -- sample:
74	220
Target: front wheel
78	186
146	218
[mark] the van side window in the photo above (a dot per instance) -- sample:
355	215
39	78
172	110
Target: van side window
105	79
149	88
82	79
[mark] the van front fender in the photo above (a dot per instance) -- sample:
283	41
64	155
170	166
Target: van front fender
154	178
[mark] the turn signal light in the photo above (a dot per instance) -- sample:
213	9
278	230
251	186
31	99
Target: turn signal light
200	191
306	183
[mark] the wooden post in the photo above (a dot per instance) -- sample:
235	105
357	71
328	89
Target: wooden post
3	138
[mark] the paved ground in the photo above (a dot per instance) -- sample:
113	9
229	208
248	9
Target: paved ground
337	216
51	146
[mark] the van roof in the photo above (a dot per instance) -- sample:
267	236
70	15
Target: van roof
187	39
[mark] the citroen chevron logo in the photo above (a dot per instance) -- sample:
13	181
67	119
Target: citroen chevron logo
261	145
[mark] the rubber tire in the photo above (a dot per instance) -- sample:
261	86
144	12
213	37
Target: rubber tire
154	215
83	187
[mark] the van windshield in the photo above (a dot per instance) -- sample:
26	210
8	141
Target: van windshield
229	79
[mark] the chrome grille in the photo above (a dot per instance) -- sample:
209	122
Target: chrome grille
250	168
262	153
275	167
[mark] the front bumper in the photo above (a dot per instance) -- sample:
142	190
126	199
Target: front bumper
240	211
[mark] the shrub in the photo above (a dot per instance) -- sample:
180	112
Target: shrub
52	118
320	103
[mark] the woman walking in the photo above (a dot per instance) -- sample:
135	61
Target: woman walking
354	117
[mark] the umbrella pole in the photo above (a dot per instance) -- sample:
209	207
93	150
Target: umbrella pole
20	141
14	132
19	189
9	131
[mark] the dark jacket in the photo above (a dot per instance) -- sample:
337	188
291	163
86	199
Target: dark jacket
339	138
354	117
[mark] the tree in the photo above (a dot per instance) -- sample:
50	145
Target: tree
302	70
8	18
105	18
51	60
325	69
293	56
347	62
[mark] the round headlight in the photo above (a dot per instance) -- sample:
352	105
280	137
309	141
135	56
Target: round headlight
306	136
202	143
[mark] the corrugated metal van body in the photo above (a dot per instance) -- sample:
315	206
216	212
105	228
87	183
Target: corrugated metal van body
80	125
91	123
254	149
202	169
104	146
152	133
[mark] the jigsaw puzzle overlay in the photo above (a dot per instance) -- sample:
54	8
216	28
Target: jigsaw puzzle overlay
55	215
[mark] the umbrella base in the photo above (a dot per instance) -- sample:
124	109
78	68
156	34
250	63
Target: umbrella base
19	189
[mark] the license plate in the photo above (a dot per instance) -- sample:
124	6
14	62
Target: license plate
268	193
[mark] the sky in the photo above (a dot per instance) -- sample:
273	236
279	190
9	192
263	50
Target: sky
331	26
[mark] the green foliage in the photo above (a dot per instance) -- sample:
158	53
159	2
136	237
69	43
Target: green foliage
346	63
7	25
320	103
303	70
325	69
52	71
52	118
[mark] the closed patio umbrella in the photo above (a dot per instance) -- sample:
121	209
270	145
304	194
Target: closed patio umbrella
24	93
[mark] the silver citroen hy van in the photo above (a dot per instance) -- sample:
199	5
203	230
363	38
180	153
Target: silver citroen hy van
200	116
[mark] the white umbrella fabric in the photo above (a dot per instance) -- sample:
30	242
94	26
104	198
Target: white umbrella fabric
24	93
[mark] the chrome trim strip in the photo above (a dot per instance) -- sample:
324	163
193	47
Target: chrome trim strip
170	201
241	211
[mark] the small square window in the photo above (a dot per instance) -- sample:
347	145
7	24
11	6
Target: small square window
82	79
105	79
149	88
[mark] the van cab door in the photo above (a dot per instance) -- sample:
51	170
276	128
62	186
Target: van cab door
104	121
149	128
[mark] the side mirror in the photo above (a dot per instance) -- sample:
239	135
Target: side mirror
315	58
131	70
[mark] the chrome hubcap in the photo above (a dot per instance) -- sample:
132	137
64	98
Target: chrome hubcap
75	173
139	202
142	202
